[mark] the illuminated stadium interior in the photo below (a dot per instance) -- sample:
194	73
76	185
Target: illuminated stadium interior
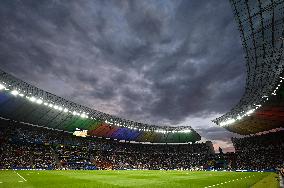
47	141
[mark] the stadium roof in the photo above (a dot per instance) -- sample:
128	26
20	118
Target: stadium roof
25	103
261	108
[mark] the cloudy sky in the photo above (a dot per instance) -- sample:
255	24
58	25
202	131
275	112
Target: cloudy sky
162	62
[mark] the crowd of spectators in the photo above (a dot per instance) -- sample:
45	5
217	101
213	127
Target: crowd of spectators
26	146
29	147
260	152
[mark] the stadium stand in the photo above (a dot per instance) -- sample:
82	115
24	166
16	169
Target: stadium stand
260	152
28	147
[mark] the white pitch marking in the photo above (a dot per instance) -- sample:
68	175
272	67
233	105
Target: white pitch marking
1	182
20	176
20	181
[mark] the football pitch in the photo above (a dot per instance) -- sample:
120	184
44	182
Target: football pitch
134	178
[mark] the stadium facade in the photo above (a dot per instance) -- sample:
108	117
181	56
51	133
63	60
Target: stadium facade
22	102
261	108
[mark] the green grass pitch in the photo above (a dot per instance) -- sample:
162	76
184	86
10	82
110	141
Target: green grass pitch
139	179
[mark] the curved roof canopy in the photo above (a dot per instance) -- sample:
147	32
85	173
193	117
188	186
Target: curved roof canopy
261	108
23	102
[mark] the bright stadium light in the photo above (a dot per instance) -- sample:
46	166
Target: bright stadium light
39	101
250	112
2	87
222	124
185	131
227	122
60	108
65	110
33	99
21	95
50	105
45	104
15	92
83	115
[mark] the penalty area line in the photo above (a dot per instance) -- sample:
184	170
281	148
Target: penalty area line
20	176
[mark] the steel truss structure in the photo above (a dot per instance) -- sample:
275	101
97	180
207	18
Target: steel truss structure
26	103
261	25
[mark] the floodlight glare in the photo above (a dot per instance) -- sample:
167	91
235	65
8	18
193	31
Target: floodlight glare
185	131
2	87
250	112
15	92
39	101
33	99
83	115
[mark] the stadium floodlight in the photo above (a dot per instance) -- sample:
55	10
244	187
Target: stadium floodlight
15	92
39	101
229	121
2	87
45	104
21	95
33	99
186	131
55	107
60	108
83	115
65	110
50	105
250	112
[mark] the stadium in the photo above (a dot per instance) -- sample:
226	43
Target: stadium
49	141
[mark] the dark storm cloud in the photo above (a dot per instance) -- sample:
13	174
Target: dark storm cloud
151	61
